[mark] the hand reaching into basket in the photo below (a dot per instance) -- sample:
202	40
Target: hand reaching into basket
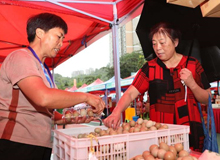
97	103
113	121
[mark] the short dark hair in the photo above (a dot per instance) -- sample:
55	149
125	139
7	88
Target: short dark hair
45	21
166	28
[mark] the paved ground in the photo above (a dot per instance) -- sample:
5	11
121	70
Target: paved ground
218	139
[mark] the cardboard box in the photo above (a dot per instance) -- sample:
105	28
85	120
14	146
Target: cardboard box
186	3
211	8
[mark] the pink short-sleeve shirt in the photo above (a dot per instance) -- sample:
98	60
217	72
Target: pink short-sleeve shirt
20	120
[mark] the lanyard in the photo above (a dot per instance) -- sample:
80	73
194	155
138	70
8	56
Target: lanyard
49	77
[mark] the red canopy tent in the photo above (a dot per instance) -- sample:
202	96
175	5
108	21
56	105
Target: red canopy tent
97	81
87	21
83	86
84	89
72	89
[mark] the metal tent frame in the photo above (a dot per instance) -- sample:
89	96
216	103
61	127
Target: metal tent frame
115	25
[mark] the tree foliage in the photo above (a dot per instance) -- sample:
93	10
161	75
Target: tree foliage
130	62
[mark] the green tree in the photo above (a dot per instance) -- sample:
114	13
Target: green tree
131	62
63	82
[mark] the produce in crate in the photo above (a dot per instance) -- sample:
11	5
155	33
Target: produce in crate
165	152
121	146
75	113
68	116
90	113
178	147
131	127
145	154
81	113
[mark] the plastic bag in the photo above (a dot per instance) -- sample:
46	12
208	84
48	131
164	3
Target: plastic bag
210	141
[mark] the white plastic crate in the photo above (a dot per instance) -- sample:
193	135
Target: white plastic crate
114	147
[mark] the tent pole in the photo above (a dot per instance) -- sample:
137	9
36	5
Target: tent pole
106	102
115	43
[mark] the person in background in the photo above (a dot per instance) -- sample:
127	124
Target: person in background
163	78
28	93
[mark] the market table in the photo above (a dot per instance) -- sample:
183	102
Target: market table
216	112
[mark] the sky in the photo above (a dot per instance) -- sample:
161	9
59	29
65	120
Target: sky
95	56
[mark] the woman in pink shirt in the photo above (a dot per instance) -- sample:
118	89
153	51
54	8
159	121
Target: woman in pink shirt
28	93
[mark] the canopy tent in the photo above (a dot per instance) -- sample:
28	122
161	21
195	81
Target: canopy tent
100	88
132	76
125	83
83	86
87	20
109	86
72	89
81	89
215	86
85	89
96	82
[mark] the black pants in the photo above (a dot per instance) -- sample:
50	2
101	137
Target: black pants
18	151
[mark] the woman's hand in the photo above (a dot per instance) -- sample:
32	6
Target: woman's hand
97	103
113	120
187	77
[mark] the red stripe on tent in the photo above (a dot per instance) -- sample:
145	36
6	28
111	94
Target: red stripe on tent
12	115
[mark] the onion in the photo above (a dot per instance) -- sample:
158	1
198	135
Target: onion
75	114
140	121
68	117
90	113
145	153
187	158
132	123
138	157
178	147
165	126
149	157
157	125
136	129
126	127
172	149
131	130
154	152
83	112
97	130
169	156
153	128
152	147
149	124
164	146
161	153
102	132
183	153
